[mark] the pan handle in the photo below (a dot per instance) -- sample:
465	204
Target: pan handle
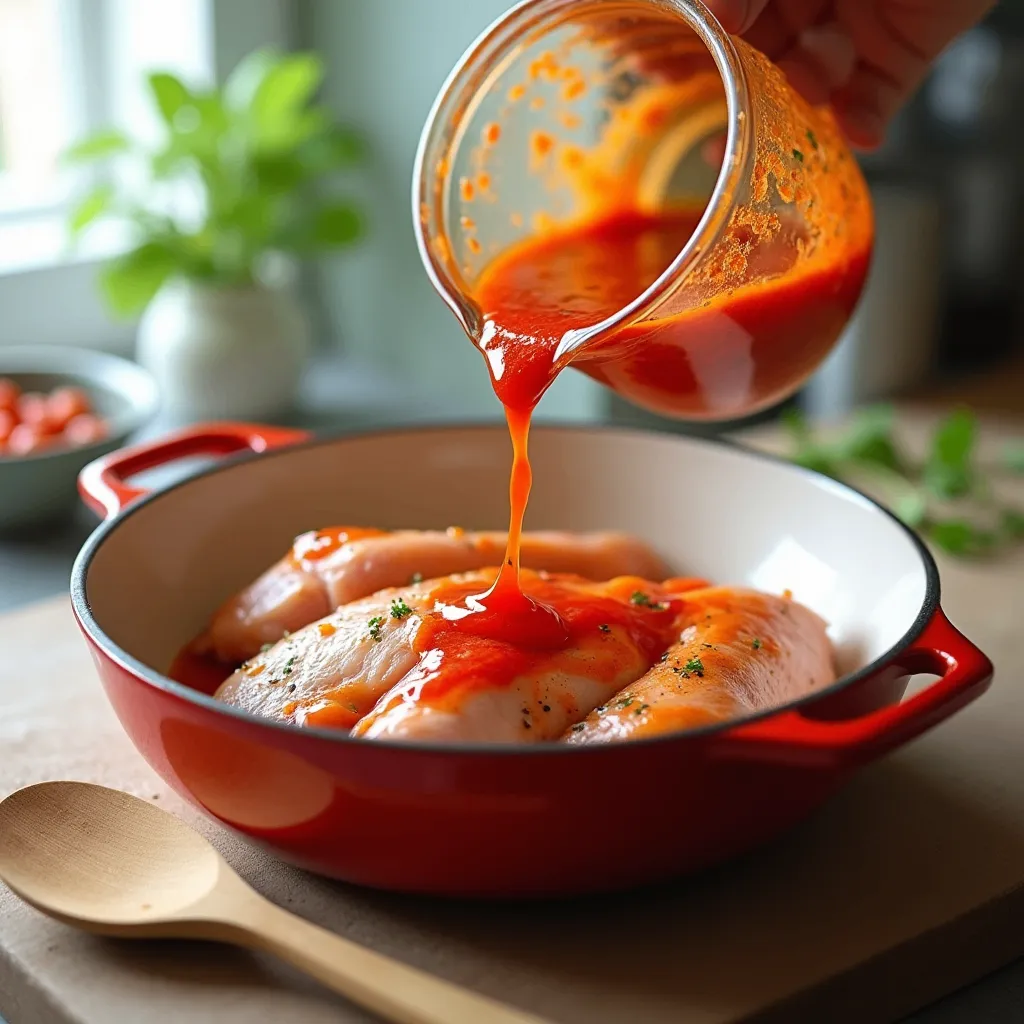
103	485
792	737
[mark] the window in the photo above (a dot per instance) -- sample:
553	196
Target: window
35	121
86	62
68	67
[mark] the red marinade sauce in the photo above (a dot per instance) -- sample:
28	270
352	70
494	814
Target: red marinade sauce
202	672
317	544
497	646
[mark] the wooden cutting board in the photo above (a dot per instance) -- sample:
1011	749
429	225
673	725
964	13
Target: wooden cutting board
907	886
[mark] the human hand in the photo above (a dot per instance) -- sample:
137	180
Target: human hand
864	57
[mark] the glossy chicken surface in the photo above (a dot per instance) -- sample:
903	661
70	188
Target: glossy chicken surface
739	652
417	661
332	567
398	665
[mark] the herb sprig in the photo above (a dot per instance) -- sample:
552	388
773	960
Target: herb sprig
917	491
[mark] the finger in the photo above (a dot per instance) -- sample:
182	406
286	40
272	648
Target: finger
736	16
821	61
865	105
771	34
831	51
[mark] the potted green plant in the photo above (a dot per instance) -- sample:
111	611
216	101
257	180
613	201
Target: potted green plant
235	187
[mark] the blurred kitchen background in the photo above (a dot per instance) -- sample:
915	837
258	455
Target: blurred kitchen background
945	302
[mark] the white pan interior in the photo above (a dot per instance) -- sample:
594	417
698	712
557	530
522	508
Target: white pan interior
711	510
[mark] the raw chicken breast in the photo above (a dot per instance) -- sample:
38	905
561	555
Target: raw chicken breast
331	672
329	568
740	651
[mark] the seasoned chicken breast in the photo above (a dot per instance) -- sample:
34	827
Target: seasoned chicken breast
329	568
739	651
395	665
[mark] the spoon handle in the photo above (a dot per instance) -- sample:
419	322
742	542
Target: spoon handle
395	991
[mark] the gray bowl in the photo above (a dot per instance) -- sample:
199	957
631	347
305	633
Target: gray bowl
39	489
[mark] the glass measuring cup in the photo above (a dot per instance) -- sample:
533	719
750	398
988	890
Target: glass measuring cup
565	113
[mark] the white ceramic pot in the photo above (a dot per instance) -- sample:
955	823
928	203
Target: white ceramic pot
224	352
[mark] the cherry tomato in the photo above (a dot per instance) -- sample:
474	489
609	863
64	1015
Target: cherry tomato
27	440
33	410
65	404
8	421
9	392
85	428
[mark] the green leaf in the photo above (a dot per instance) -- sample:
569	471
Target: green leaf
102	144
246	78
94	205
169	93
337	147
796	424
948	471
213	117
277	105
911	508
819	461
252	215
960	537
1012	523
279	174
870	439
130	281
336	225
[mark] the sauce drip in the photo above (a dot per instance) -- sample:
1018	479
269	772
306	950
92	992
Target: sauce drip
540	289
531	296
739	352
505	611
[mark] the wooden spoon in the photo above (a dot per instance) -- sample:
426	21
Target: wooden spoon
110	863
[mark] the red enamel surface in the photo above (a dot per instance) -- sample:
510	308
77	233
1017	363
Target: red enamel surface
508	824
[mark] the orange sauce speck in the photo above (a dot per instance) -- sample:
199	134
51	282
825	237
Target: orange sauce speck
517	92
570	120
537	103
572	157
473	245
492	132
326	629
468	224
466	190
541	143
544	66
574	89
483	181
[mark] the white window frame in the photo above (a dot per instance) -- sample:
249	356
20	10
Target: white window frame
48	295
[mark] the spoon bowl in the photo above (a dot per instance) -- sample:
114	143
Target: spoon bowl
102	857
113	864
